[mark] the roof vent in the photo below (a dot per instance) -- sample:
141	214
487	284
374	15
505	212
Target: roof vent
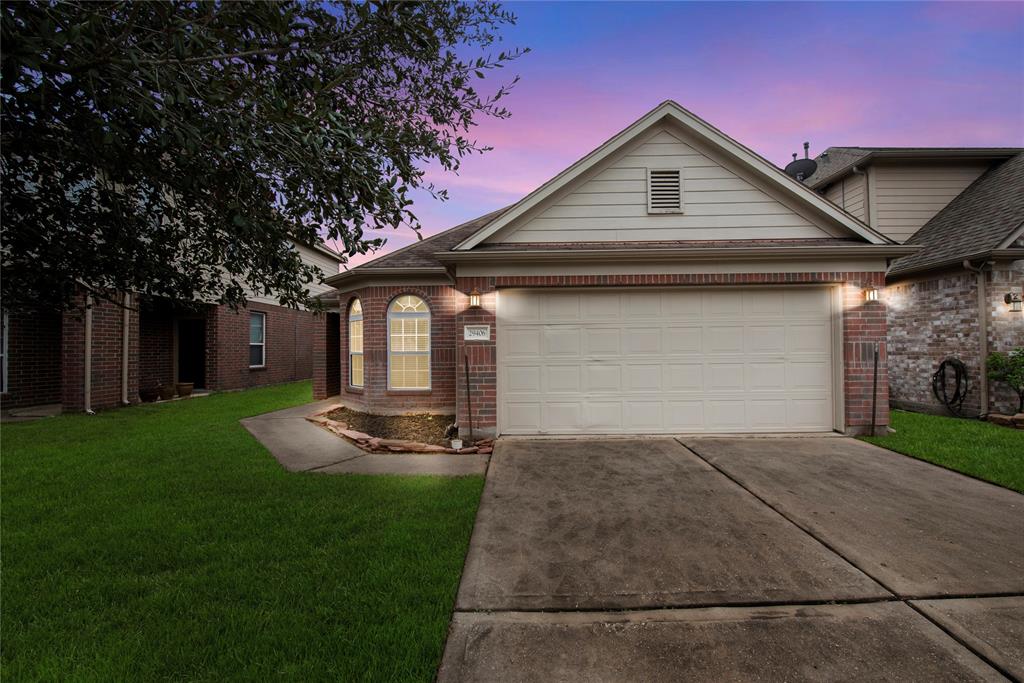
802	169
664	190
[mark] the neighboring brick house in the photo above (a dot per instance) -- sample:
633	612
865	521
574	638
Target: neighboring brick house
152	342
965	208
671	281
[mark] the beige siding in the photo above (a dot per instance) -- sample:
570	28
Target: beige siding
327	265
909	195
610	203
848	194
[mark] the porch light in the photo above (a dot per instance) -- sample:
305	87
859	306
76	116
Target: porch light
474	298
870	293
1013	300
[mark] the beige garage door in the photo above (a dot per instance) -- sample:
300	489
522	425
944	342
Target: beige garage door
664	361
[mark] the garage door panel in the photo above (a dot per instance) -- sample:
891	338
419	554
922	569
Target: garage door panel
807	337
602	341
562	417
683	340
765	338
686	377
563	379
766	376
602	415
643	340
522	342
723	339
664	361
561	341
603	378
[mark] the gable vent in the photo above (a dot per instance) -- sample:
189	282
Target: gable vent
664	190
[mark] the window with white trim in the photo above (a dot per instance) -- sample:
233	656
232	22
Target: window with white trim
408	343
664	190
355	344
257	339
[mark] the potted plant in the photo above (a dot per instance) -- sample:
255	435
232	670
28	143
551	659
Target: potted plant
149	394
166	392
185	388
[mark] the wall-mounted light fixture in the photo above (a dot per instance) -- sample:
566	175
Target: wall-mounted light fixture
870	293
1013	300
474	298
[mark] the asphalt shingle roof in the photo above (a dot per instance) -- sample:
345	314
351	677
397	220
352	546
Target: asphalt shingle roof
833	162
979	219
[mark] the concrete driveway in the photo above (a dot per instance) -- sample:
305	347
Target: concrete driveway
800	558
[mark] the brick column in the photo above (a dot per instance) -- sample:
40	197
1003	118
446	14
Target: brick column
483	390
864	325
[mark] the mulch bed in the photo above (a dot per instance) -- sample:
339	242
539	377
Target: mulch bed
422	428
420	433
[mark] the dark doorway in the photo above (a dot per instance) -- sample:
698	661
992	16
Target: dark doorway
192	351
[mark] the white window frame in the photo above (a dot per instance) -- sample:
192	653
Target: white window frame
358	317
262	344
427	353
682	200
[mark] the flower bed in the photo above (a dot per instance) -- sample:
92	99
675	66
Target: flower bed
349	424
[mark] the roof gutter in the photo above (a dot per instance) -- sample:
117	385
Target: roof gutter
676	254
978	153
1014	254
353	277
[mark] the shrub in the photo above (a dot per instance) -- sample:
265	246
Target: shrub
1008	368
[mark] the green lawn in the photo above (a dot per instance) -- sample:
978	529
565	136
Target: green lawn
976	448
163	541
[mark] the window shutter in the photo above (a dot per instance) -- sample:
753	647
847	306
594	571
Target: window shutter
664	190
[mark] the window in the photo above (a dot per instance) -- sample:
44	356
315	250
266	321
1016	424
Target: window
355	344
257	340
408	343
664	190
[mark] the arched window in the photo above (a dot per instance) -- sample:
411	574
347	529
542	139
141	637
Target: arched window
355	344
408	343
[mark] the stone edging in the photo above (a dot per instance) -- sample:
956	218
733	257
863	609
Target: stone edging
373	444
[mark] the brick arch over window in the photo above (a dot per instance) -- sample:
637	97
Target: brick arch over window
408	343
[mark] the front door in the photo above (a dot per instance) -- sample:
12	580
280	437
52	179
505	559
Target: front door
192	351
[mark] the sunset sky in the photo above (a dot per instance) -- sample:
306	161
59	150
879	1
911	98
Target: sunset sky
770	75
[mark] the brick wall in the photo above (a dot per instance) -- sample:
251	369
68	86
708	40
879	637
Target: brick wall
864	326
33	359
289	347
444	303
107	351
326	342
936	317
156	347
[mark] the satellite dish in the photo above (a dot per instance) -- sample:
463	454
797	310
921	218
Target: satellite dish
802	169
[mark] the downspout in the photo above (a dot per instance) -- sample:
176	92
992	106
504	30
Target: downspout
982	337
125	322
88	355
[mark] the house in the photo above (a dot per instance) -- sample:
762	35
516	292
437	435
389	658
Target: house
103	357
965	208
670	281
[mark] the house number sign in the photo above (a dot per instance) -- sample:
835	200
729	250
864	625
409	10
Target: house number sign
476	332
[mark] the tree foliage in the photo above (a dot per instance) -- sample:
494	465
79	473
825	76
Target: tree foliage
175	148
1008	368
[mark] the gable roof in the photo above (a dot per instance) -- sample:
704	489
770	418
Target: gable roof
836	162
982	219
703	131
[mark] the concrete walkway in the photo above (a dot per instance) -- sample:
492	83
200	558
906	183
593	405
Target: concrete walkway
805	559
301	446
